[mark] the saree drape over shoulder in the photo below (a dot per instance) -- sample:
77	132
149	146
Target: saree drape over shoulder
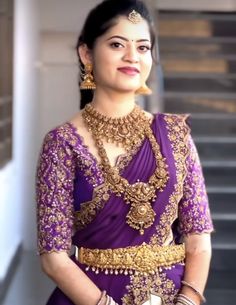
76	207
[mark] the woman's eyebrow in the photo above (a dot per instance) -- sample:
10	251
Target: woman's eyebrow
126	39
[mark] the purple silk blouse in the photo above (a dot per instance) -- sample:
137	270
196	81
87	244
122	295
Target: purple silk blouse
75	206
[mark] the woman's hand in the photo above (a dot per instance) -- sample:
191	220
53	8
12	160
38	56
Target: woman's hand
70	278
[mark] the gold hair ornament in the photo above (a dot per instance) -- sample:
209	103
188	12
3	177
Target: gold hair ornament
134	17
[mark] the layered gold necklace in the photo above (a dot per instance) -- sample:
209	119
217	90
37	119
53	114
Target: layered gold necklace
128	131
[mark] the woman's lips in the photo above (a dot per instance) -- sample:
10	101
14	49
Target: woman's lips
129	70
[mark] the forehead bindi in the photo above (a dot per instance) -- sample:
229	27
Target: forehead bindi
128	30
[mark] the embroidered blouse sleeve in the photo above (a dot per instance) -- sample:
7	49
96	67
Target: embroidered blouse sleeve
54	194
194	213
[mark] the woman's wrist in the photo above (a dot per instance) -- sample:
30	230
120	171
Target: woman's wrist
182	299
195	290
105	299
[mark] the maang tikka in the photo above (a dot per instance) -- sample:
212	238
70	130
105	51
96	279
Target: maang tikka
88	81
134	17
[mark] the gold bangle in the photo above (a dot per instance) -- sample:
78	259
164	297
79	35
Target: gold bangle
182	298
103	295
202	298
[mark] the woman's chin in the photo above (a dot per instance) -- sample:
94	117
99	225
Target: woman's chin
128	89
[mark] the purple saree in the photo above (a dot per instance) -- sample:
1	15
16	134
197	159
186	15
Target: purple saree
75	207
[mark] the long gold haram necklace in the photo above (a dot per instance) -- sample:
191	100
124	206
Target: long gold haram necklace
140	194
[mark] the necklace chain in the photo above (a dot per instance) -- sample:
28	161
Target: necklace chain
140	194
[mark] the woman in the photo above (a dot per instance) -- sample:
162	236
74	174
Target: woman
123	186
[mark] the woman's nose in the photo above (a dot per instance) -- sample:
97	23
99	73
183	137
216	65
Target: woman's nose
131	54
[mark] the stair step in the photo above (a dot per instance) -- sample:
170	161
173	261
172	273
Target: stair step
221	189
197	65
184	28
223	202
224	246
195	15
197	103
220	296
219	279
215	139
219	126
223	259
184	24
220	176
214	150
224	216
205	95
184	48
202	84
199	76
219	164
196	40
224	234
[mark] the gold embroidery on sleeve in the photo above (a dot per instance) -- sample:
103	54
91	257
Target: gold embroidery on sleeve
178	133
89	209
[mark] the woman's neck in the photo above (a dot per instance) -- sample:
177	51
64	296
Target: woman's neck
113	105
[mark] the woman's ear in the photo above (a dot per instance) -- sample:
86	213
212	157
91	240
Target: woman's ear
85	54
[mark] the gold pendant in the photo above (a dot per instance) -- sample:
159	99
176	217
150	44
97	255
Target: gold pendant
140	216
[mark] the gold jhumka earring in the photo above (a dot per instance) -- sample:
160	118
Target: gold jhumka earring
143	90
88	81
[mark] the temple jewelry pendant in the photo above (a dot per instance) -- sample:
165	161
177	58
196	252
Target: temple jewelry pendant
140	216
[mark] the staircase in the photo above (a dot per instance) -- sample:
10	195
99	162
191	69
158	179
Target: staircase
198	57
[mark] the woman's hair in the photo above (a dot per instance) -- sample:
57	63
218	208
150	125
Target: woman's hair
100	20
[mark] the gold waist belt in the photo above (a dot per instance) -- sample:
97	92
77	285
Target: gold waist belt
143	258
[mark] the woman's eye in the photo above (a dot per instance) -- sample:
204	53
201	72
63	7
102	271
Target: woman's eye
144	48
116	45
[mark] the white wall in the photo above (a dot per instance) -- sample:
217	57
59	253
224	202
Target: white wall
26	112
17	205
60	25
10	222
64	16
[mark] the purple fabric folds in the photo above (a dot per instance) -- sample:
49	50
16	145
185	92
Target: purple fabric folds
72	208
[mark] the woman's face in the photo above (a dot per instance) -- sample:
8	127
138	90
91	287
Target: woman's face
122	57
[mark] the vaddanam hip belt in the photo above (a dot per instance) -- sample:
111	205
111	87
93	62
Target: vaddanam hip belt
144	258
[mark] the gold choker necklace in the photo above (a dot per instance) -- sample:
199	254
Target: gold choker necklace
127	131
140	194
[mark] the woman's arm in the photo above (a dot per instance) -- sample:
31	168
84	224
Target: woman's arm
55	219
198	256
70	278
195	226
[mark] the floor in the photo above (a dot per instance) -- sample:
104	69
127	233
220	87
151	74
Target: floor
29	286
